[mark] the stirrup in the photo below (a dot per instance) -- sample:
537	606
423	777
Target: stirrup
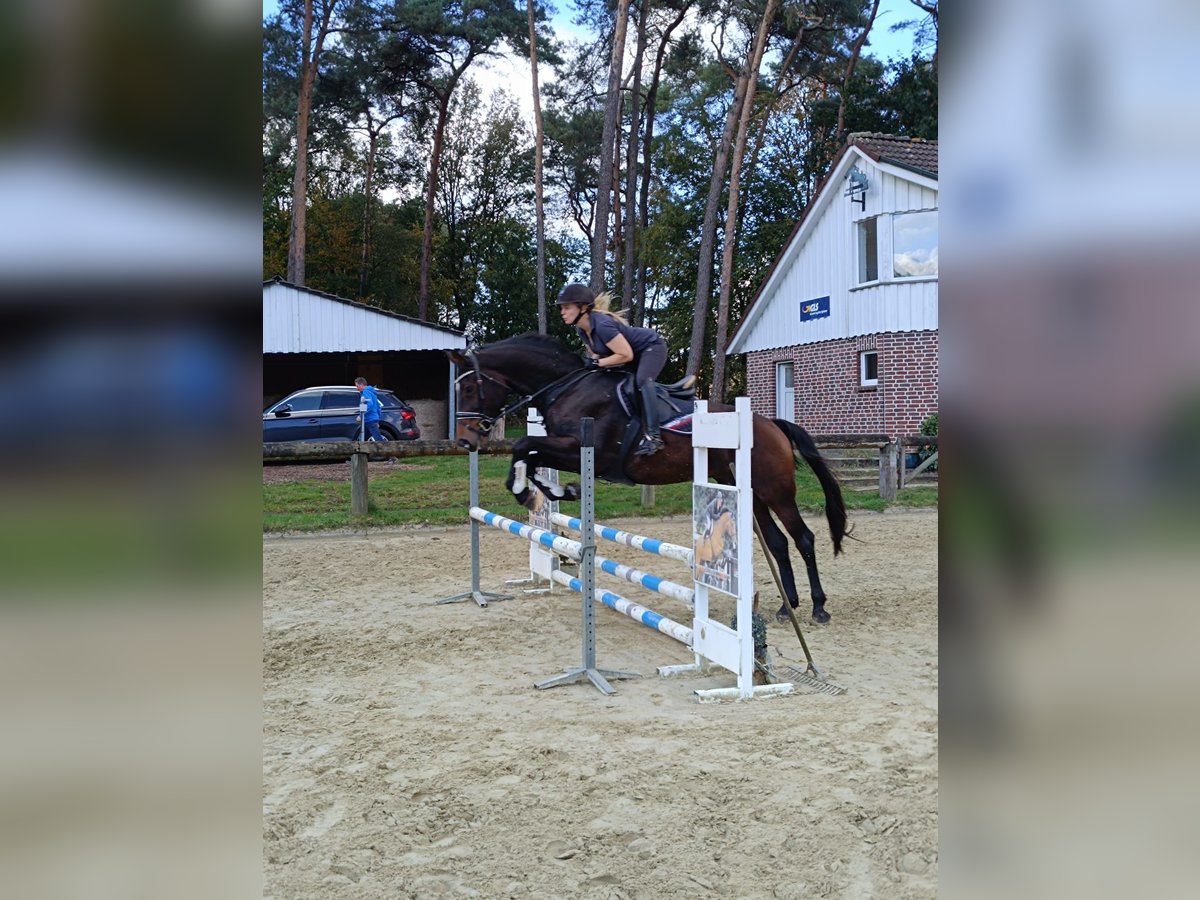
650	445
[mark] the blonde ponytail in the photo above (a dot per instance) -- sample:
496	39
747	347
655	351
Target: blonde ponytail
603	301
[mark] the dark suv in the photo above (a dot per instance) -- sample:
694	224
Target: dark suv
329	414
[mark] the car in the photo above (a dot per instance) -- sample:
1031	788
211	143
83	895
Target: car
330	413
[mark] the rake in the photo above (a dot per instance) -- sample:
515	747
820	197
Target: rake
811	676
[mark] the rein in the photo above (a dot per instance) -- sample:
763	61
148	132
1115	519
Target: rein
486	423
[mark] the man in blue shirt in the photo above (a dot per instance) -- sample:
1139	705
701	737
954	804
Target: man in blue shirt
371	417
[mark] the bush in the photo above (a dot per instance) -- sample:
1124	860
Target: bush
928	427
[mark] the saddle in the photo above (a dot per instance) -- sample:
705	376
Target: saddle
675	402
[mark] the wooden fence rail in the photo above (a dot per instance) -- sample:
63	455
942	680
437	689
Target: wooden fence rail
296	450
891	468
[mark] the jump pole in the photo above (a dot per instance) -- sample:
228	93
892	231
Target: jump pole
573	550
587	554
481	597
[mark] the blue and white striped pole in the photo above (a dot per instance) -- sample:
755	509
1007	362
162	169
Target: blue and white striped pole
574	550
636	541
635	611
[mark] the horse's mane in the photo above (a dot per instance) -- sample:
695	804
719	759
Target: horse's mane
533	343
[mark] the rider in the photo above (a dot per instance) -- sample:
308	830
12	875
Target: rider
611	341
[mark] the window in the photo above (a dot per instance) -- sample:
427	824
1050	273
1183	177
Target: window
868	368
868	250
915	244
340	400
305	402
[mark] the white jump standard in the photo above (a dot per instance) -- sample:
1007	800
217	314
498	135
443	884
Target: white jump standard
709	640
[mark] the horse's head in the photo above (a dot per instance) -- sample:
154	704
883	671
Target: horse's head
480	397
518	365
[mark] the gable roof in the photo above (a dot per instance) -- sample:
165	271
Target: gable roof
374	309
299	319
915	155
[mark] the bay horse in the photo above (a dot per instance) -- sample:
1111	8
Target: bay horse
711	549
544	373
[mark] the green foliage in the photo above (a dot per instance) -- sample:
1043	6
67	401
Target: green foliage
929	426
392	58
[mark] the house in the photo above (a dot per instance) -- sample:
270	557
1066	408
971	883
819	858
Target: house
842	335
312	338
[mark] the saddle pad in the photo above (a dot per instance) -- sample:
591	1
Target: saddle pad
671	410
679	425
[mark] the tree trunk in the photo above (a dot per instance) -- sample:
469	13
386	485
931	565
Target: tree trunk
635	104
639	306
776	93
708	230
368	192
760	42
615	188
858	45
604	172
435	158
537	176
308	77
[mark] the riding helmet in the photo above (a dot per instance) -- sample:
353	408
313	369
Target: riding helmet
576	293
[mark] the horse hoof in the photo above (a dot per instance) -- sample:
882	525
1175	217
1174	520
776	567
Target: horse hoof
822	619
782	617
571	492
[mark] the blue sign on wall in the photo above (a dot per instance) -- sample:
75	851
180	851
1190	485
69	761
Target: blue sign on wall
814	309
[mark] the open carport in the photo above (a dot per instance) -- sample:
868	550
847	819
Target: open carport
313	338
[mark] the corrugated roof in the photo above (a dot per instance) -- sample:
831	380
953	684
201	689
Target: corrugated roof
916	154
368	307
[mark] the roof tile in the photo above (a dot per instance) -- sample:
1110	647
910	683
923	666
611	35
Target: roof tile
916	154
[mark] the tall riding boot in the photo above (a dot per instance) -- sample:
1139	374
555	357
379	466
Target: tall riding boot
652	442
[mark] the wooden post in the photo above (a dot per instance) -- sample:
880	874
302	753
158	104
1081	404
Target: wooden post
648	496
358	484
889	455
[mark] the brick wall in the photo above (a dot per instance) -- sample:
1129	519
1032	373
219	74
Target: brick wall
828	397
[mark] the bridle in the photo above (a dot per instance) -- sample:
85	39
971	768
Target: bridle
486	423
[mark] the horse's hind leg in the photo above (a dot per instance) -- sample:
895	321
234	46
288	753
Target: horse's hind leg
790	517
777	546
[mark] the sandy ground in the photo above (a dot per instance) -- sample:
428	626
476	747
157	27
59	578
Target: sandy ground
406	753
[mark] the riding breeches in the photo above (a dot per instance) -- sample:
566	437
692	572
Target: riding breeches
650	362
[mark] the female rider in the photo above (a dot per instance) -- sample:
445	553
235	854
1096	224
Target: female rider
611	341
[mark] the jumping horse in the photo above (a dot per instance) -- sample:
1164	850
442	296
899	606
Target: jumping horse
541	371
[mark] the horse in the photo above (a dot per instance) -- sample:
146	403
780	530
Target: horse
711	549
540	370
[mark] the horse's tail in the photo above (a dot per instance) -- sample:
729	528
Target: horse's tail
835	506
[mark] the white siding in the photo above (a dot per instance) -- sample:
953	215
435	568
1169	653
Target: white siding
825	264
296	321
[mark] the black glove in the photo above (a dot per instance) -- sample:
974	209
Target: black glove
590	362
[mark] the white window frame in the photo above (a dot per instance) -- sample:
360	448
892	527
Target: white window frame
892	243
860	251
863	380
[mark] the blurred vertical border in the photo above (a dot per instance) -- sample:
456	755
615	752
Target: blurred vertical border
130	550
1070	137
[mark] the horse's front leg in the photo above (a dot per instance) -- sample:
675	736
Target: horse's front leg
549	452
